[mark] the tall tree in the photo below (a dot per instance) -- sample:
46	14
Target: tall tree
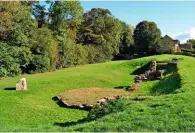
8	11
126	42
101	29
65	18
147	37
67	13
191	42
40	14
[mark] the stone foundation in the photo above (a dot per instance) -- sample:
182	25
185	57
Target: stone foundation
102	101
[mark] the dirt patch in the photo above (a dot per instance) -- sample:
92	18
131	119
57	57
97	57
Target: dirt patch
86	98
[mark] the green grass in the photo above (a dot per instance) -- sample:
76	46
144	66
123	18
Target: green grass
168	105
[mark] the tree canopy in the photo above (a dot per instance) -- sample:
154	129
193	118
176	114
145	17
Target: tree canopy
147	37
35	38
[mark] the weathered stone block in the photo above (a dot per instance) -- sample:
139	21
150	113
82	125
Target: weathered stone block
21	85
153	66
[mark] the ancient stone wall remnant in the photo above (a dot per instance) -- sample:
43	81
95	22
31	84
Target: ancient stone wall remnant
152	65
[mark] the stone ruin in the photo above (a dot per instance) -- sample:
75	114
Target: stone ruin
135	86
151	74
21	85
173	62
102	101
105	100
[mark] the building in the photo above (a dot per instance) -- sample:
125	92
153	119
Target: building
177	45
170	45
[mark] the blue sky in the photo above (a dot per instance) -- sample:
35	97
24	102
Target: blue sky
177	19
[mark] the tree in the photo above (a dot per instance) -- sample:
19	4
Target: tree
8	64
100	28
147	38
17	24
5	25
44	44
7	12
65	18
126	41
40	14
191	42
68	13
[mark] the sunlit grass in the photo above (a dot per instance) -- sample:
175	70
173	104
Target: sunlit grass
170	109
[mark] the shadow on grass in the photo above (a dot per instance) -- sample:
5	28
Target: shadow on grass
10	88
123	87
169	84
141	70
57	101
72	123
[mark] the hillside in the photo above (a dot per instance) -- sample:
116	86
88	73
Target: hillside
168	105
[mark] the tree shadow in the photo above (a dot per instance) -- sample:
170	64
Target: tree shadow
10	88
72	123
168	85
122	87
141	70
170	69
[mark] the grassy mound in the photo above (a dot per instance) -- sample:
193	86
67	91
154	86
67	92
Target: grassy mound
166	105
90	96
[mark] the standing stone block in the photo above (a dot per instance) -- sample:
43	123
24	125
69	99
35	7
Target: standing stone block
21	85
153	66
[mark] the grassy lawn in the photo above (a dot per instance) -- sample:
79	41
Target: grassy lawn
168	105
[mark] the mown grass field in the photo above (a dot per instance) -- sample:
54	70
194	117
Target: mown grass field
168	105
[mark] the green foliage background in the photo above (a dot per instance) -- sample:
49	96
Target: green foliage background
64	35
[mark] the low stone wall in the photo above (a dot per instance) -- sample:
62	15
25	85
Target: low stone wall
152	73
75	106
87	107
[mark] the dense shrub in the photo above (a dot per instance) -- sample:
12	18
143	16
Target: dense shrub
188	54
39	63
22	56
111	107
8	64
81	55
67	56
187	50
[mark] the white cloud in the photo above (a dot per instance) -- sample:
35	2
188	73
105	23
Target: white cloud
184	36
192	33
